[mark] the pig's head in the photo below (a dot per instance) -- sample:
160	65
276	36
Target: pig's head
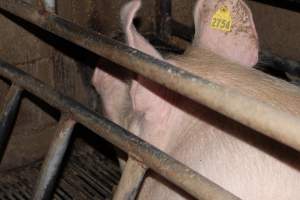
224	27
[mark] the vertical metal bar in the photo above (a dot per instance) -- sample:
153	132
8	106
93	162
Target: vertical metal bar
172	170
8	115
53	161
164	19
131	180
47	5
50	5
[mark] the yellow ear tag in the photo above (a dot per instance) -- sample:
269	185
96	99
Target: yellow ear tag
222	20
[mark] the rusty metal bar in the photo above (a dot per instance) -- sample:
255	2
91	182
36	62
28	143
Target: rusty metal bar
163	19
272	122
54	158
174	171
131	180
8	115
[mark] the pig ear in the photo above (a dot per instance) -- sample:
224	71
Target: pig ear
134	39
226	28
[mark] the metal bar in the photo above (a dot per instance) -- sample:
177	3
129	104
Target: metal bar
174	171
8	115
163	18
50	5
46	5
293	5
272	122
182	31
54	158
275	62
131	180
266	58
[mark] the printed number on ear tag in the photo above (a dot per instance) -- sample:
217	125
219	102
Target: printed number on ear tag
222	20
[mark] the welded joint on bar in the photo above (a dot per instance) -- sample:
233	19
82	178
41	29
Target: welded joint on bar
161	163
14	92
66	123
131	180
198	90
133	157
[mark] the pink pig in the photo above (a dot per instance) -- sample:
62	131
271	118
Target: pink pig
235	157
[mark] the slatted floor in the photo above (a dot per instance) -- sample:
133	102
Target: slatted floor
88	174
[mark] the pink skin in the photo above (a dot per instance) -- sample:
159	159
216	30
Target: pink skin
111	87
240	45
231	155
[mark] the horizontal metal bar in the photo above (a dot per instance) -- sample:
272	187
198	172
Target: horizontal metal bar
131	180
266	58
272	122
8	115
182	31
275	62
293	5
174	171
54	158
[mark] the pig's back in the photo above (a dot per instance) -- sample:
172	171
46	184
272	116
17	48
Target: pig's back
245	163
237	158
247	81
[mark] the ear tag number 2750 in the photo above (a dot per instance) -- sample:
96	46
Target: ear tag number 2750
222	20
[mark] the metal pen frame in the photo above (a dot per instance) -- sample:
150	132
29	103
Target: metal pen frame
142	156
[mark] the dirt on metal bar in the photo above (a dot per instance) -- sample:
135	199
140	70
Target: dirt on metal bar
174	171
131	180
272	122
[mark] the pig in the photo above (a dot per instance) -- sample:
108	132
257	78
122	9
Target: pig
245	163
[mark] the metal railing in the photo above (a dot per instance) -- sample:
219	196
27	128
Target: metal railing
142	156
273	122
